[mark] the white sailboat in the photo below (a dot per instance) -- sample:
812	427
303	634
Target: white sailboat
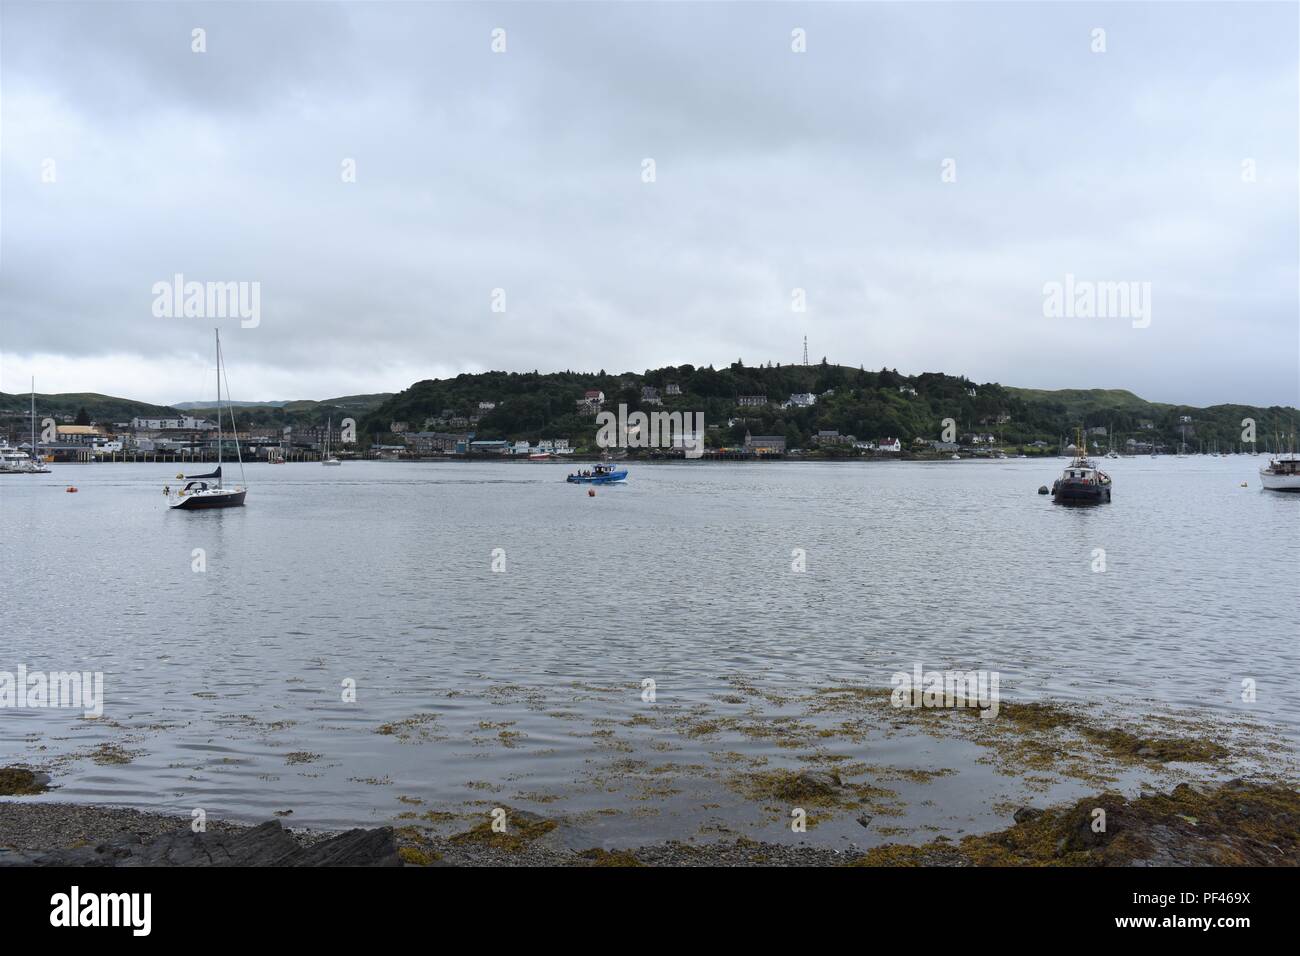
197	492
326	457
15	461
36	466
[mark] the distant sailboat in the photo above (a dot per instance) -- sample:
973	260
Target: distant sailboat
197	493
37	465
327	458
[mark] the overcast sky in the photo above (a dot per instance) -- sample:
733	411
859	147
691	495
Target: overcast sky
774	171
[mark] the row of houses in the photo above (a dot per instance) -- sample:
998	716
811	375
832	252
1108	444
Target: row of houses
423	444
183	436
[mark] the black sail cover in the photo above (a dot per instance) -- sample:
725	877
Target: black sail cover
215	474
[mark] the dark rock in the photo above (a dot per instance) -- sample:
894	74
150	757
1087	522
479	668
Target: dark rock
268	844
864	819
1025	814
818	782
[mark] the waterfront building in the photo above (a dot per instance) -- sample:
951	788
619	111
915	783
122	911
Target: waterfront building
764	444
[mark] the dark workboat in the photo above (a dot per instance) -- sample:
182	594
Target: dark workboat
1082	482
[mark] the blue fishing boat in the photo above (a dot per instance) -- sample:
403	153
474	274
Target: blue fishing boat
601	474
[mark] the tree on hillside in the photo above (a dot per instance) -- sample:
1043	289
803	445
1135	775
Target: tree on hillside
83	416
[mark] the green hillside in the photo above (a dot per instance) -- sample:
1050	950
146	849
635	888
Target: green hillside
868	405
100	408
305	411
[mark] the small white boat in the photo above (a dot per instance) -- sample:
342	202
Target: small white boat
327	458
1282	473
956	458
15	461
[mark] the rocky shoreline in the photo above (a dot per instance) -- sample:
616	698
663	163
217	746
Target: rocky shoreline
1238	823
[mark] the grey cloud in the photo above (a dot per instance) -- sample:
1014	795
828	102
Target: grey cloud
775	170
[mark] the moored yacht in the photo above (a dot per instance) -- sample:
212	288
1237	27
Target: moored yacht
197	493
36	466
13	461
327	458
1282	473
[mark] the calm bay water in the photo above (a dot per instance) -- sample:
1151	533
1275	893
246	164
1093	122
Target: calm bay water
225	687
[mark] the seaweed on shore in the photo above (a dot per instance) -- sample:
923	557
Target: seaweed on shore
22	782
805	788
522	828
1241	823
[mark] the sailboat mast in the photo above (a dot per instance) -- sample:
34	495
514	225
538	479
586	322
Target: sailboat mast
217	332
33	418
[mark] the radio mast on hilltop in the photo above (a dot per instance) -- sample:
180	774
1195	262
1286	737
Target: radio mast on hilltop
805	350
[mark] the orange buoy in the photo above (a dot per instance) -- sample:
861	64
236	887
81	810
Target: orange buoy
591	492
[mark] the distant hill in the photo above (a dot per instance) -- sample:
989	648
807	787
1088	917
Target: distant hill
301	411
100	408
108	409
347	401
191	406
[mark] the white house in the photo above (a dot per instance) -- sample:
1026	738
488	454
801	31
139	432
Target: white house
160	424
889	444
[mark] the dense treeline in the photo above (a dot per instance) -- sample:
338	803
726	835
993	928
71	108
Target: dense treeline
867	404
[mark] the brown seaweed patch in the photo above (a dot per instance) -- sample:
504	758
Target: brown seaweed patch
1162	749
522	828
411	728
814	788
22	782
1241	823
416	856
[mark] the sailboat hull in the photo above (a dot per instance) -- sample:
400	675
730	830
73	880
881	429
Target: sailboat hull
210	499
